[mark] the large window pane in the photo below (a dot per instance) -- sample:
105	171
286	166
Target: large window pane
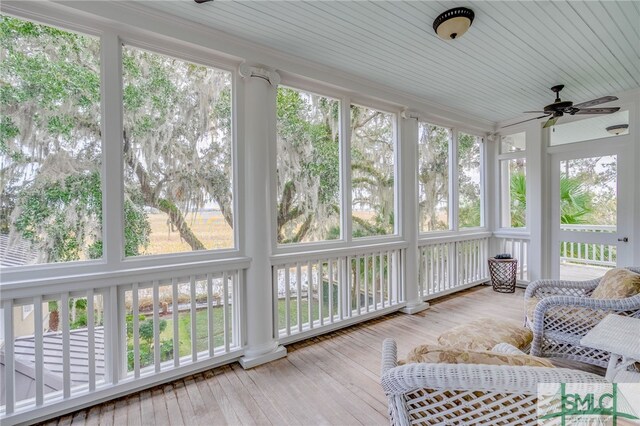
589	194
469	180
50	145
177	155
308	167
433	177
372	171
513	193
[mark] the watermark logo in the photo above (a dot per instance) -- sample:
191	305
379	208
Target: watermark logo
569	404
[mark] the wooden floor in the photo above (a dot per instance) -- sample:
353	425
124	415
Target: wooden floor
332	379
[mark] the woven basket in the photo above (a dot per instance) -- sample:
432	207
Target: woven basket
503	274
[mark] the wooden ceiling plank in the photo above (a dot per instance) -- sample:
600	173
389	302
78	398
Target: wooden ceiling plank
539	39
392	76
462	54
617	80
421	66
504	49
617	44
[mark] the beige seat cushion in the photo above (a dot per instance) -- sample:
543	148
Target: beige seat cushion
617	283
449	355
484	333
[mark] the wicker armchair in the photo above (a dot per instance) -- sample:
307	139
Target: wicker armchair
458	394
565	313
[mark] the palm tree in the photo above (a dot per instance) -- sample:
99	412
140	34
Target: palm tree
575	200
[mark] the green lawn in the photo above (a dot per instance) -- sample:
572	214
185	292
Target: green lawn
202	334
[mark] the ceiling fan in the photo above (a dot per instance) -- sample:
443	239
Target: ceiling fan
559	108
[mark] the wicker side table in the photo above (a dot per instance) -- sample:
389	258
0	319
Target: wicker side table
503	274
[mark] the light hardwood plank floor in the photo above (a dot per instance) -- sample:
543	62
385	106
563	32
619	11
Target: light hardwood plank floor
331	379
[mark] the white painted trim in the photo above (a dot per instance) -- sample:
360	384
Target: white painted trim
454	290
304	256
249	361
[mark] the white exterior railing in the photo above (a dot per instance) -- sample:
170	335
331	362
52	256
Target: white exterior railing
448	264
317	292
518	247
121	345
588	253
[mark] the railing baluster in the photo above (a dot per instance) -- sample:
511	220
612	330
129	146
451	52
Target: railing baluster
136	329
39	349
431	275
210	330
287	298
299	295
225	286
381	258
194	335
374	283
330	288
341	285
310	294
356	285
319	268
156	326
276	301
9	357
66	345
366	282
350	285
175	314
388	263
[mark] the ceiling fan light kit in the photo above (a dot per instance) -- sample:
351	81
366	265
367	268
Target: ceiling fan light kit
453	23
559	108
618	129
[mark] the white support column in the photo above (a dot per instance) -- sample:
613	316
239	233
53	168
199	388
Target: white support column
408	162
492	190
259	136
538	208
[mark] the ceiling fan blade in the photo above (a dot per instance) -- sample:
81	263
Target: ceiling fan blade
598	101
524	121
534	112
550	122
598	110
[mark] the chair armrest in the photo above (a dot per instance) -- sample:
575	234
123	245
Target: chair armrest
546	288
569	303
389	355
477	377
506	348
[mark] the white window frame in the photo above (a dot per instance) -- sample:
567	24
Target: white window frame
452	153
167	50
346	239
507	156
111	41
483	183
274	180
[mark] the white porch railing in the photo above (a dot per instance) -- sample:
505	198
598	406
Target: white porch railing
588	253
93	338
449	264
518	247
317	292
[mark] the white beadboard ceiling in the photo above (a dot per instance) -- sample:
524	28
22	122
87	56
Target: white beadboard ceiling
504	65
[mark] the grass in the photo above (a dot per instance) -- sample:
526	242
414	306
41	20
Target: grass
202	334
209	226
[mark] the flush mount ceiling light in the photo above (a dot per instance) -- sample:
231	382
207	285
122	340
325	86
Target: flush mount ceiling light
618	129
453	23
